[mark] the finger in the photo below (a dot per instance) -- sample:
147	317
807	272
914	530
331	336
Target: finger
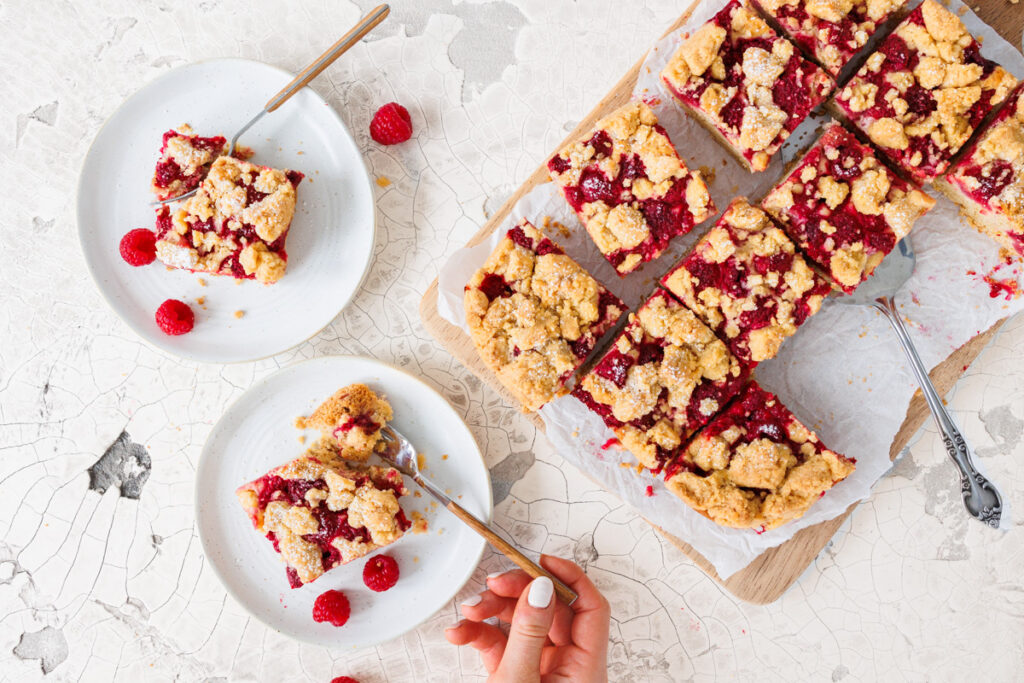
487	605
488	640
571	574
528	635
511	585
561	627
589	628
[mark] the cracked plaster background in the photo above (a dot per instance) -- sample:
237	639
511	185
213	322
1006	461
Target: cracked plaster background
101	574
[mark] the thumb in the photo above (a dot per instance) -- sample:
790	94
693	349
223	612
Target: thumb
529	632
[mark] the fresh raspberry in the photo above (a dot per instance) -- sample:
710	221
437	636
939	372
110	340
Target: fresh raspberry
175	317
343	679
138	247
380	573
391	124
332	607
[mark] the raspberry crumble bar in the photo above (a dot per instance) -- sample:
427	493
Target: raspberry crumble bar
236	224
988	182
831	32
350	421
184	160
630	188
745	84
535	315
844	208
666	375
319	516
747	281
755	466
920	97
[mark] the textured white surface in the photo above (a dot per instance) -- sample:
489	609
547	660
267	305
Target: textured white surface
102	587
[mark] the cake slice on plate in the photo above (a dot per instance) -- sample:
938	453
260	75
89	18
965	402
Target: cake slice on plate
236	224
319	516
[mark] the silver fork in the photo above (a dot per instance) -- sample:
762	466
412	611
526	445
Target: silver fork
365	25
980	497
401	454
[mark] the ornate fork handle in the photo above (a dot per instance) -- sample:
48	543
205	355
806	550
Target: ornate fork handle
980	497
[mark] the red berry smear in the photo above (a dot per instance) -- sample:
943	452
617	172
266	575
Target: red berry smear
332	607
380	573
175	317
391	124
343	679
138	247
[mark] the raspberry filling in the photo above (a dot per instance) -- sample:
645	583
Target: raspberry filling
333	524
992	180
169	172
363	421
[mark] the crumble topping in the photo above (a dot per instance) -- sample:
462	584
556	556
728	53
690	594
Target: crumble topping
746	280
236	223
844	208
747	84
534	315
923	93
349	422
665	376
755	466
630	188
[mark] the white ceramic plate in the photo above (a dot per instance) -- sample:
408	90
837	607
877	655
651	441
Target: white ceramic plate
331	238
257	433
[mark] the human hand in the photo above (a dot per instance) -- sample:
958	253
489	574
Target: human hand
548	640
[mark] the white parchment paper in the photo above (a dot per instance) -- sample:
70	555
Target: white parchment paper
843	373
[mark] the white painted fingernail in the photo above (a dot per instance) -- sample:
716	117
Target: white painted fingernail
473	601
541	590
494	575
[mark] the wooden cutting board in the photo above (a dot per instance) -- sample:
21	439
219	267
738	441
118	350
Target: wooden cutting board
775	570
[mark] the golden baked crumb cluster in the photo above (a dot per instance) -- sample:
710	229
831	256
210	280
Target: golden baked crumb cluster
349	422
844	208
920	97
630	188
535	315
755	466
